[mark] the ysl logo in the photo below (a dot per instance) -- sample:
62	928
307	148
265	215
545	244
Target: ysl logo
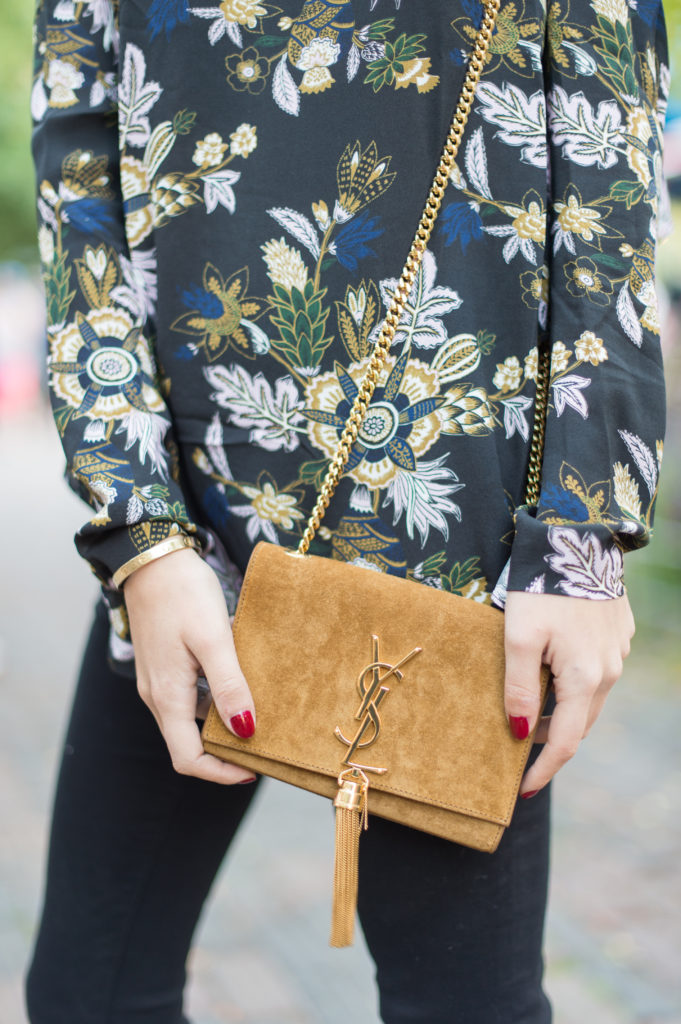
372	692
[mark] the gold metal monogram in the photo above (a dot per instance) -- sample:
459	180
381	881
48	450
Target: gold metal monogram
372	692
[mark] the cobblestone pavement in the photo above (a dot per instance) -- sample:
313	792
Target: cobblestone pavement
613	935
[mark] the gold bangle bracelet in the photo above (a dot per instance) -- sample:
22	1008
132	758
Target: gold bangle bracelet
175	542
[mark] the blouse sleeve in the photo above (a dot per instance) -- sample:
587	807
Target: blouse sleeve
105	389
607	83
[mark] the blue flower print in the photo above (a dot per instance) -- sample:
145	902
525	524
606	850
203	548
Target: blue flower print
351	241
460	221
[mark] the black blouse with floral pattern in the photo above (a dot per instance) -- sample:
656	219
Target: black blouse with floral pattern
227	195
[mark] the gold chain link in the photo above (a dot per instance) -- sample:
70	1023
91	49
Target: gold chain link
403	291
538	428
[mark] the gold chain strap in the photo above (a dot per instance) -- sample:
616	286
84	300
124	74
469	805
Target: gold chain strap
538	428
403	290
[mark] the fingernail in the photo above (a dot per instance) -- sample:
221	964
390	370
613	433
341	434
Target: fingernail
246	782
242	725
530	793
520	727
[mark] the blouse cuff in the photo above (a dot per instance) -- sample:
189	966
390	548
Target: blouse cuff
570	559
112	549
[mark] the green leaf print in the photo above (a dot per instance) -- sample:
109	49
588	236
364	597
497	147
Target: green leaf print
301	320
270	42
609	261
382	71
461	575
431	566
616	51
184	121
312	473
629	192
381	28
486	341
59	296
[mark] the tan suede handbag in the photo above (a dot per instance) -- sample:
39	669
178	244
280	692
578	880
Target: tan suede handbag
381	692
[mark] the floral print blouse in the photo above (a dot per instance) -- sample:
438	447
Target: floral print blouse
227	195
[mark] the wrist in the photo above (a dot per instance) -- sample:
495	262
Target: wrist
176	542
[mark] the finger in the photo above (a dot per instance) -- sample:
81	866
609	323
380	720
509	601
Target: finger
189	758
595	709
565	731
522	684
228	685
144	691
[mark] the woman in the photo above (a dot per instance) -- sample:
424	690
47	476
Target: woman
217	265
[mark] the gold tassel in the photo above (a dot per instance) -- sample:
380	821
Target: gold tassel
351	816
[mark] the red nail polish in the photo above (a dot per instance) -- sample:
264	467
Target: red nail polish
247	782
243	725
529	794
520	727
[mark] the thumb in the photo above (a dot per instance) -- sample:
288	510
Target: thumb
228	686
522	684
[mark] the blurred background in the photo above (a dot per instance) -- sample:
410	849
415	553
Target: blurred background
614	929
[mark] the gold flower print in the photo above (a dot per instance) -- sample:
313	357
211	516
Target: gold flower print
362	177
402	424
223	315
247	71
101	367
243	12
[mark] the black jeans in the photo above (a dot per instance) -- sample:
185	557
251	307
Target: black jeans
455	934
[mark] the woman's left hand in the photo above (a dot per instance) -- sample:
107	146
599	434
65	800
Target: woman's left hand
584	643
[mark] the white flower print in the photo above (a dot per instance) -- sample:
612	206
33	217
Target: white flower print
65	11
531	364
209	151
521	119
319	53
298	225
216	451
588	568
218	191
587	136
626	491
612	10
148	430
269	414
284	264
421	324
500	592
590	349
228	18
103	17
509	374
103	494
527	229
243	12
567	391
95	431
46	245
514	416
423	498
139	291
135	98
643	457
537	585
62	80
267	510
243	140
560	357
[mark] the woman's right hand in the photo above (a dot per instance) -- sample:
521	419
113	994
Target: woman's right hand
180	629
